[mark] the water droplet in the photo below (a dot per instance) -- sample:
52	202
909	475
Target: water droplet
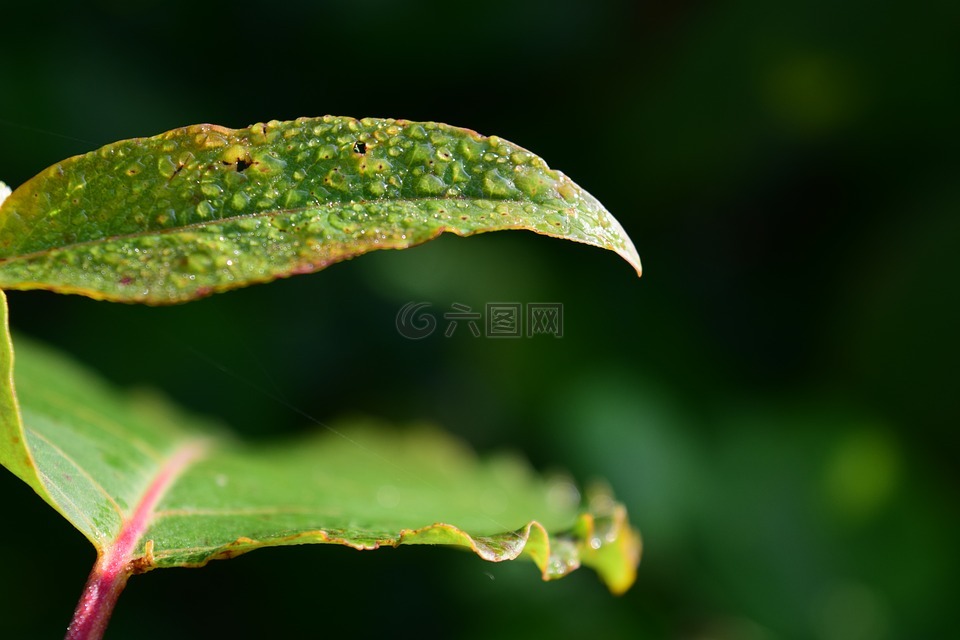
528	180
204	210
268	162
211	190
292	197
327	152
559	222
239	201
568	192
430	184
420	154
520	157
495	184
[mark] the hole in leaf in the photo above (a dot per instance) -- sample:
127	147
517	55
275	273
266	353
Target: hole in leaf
243	165
360	147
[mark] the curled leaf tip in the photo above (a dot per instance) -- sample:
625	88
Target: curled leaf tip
611	547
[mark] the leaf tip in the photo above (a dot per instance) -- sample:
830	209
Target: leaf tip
621	242
629	253
608	543
598	227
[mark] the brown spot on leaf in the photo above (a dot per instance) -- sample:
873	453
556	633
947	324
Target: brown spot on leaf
145	562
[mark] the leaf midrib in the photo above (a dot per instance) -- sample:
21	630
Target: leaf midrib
120	553
244	216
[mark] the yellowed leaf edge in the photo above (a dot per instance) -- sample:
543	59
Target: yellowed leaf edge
607	544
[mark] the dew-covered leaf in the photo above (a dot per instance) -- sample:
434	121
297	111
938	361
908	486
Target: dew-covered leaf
204	208
152	487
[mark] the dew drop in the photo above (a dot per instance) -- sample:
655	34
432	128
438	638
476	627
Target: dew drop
204	209
430	184
568	192
211	190
495	184
239	201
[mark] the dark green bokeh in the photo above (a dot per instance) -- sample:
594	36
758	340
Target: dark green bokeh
775	400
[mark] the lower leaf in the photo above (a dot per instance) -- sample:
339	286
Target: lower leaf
152	487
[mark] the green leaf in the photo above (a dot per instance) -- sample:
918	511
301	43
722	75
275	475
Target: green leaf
204	208
152	487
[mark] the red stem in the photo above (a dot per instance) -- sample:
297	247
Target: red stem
93	612
117	562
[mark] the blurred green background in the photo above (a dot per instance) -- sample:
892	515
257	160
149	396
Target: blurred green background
775	400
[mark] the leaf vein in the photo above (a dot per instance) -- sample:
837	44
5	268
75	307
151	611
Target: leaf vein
99	420
254	511
83	472
259	214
